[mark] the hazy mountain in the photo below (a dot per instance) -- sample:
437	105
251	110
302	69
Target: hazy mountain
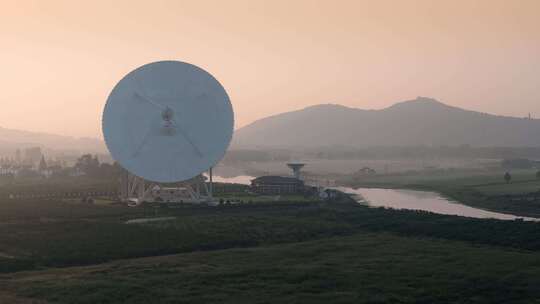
422	121
12	139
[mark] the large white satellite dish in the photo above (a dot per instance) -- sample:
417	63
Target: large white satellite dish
168	121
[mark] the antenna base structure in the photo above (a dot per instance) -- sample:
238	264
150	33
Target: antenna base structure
134	189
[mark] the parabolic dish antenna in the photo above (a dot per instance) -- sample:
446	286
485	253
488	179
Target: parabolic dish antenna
168	121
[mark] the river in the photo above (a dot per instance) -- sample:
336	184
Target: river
404	199
422	200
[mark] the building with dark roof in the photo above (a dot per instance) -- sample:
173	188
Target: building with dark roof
275	185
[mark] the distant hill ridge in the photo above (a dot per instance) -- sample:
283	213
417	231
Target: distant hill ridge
11	139
422	121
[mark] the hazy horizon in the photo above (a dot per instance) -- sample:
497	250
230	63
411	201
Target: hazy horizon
61	59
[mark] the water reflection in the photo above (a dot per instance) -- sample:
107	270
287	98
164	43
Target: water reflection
242	179
422	200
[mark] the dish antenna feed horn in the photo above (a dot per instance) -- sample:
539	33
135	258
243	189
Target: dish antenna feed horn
166	123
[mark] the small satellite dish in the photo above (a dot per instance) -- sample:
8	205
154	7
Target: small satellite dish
296	167
168	121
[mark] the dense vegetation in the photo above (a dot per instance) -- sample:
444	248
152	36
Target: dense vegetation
283	252
58	186
363	268
55	234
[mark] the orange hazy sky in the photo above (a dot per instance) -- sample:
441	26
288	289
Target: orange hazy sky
60	59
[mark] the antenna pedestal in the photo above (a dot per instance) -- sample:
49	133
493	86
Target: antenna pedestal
134	189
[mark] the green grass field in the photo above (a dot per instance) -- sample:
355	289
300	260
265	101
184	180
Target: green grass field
280	252
363	268
255	198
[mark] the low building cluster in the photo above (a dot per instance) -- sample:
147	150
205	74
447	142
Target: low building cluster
31	163
277	185
282	185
